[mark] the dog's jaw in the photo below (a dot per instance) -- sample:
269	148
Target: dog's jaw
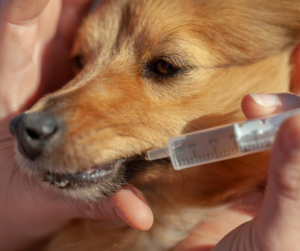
96	174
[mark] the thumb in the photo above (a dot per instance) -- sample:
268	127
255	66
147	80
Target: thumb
276	227
277	224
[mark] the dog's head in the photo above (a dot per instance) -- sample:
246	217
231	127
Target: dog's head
148	70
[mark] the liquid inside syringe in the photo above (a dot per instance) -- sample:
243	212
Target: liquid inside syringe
221	143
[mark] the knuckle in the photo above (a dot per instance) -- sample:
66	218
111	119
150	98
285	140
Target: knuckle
288	181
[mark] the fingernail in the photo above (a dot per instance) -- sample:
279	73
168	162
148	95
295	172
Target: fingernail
266	100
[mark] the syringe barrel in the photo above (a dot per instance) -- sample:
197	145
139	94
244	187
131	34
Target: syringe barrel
223	142
203	147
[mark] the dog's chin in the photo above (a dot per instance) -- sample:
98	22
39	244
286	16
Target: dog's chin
100	180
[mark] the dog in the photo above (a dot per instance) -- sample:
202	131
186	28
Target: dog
147	70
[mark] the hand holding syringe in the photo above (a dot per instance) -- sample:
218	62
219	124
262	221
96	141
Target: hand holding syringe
224	142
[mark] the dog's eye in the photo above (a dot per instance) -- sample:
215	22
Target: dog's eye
78	62
163	67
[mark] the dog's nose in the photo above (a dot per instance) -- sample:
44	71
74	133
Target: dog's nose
33	131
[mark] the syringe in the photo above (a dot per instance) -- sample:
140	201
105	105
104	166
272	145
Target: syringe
223	142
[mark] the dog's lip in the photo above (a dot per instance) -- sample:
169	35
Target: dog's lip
94	174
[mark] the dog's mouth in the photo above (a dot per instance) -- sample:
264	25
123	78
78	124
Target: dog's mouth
95	174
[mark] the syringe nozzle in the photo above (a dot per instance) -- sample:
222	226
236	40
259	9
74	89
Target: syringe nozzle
159	153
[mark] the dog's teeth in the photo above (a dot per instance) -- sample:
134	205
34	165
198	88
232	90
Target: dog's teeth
103	173
50	178
61	184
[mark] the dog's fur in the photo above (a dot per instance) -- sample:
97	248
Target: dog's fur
118	107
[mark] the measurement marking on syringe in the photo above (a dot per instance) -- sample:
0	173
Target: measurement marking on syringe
207	156
256	146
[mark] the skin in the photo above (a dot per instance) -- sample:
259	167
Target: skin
34	59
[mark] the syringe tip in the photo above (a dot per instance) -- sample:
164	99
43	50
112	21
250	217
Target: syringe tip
159	153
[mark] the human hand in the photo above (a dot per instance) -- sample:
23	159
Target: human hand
35	43
276	225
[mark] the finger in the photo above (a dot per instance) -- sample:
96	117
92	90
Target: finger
277	225
72	13
19	32
22	11
259	104
20	52
132	208
128	204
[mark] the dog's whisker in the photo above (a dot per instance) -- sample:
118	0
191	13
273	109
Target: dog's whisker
13	173
25	181
30	188
6	160
7	148
252	166
92	208
66	198
10	182
10	139
29	178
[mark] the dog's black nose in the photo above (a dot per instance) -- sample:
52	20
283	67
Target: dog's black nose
33	131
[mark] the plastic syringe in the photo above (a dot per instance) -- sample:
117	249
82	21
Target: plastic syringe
223	142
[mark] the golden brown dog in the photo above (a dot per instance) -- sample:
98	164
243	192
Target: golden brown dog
149	70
